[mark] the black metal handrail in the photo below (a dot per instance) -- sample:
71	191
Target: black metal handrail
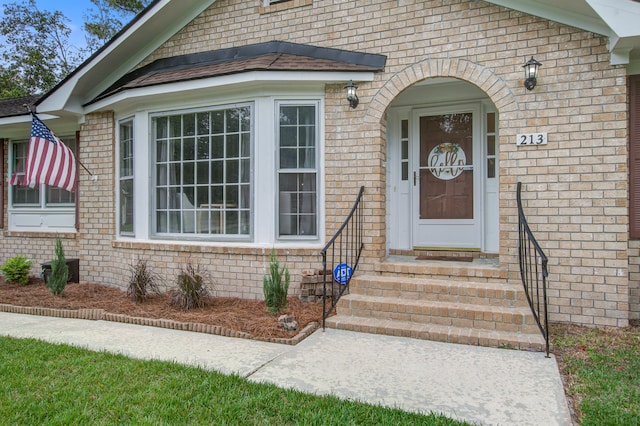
533	271
343	252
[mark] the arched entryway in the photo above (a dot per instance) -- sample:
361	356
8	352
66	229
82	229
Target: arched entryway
443	156
442	163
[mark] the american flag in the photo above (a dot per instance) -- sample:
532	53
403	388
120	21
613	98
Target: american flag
49	161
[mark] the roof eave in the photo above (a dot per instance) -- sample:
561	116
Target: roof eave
152	27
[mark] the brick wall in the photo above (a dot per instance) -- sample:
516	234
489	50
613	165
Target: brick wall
575	187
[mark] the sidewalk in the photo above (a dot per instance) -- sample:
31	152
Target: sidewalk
476	384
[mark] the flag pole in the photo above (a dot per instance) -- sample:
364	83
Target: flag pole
77	161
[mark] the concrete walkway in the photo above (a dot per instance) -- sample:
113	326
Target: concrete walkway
480	385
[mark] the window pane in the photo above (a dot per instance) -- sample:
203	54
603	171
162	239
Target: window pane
126	206
288	136
288	158
217	169
188	149
175	126
491	167
233	172
203	164
203	148
203	123
404	132
162	148
161	128
189	123
233	146
491	122
188	171
307	115
491	145
288	115
217	147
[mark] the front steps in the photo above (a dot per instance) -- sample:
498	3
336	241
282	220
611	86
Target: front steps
442	301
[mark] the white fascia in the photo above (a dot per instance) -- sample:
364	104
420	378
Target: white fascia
123	54
193	88
622	17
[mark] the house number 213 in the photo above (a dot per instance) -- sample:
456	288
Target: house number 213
532	139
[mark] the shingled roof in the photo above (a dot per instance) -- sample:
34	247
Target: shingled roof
269	56
16	106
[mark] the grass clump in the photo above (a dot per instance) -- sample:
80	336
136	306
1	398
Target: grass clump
192	288
601	368
16	269
59	271
142	282
275	285
50	384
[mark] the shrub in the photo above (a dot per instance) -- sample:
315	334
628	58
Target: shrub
192	291
275	285
142	281
59	271
16	269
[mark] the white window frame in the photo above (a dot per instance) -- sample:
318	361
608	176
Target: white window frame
184	235
42	216
121	178
279	171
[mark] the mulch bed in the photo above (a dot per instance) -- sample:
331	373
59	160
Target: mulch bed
248	317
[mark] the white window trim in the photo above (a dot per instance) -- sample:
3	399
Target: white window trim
118	179
278	170
41	217
152	210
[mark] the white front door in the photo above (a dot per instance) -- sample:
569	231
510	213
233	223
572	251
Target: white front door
447	178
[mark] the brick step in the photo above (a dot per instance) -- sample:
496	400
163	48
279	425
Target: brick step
512	319
481	293
481	270
440	333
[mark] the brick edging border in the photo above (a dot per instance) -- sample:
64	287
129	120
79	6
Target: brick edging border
102	315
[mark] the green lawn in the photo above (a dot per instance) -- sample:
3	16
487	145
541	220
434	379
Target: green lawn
601	368
41	383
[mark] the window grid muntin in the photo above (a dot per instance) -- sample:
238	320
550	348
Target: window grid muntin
211	164
126	178
297	205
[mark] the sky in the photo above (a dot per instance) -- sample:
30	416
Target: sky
72	9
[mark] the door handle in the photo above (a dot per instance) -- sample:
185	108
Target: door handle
414	178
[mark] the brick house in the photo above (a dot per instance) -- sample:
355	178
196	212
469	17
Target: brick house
217	131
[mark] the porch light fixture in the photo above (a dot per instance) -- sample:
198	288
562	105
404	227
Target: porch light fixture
352	95
531	73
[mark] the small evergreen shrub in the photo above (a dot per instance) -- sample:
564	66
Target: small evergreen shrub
275	285
192	291
142	282
16	269
59	271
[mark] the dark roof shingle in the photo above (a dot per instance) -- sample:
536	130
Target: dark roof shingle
270	56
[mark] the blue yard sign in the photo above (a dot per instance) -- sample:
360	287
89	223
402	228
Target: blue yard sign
342	273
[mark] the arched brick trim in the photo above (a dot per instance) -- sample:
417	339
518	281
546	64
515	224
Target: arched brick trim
495	87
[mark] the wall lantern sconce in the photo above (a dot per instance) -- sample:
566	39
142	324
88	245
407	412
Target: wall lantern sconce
531	73
352	95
